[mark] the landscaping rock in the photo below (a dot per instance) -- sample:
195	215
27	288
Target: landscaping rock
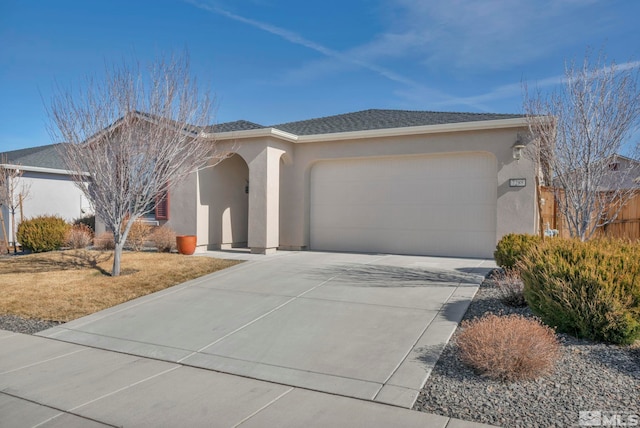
588	377
23	325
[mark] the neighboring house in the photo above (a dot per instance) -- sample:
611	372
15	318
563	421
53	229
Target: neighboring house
620	172
381	181
49	188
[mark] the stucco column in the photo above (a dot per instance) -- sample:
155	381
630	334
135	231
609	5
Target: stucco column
264	201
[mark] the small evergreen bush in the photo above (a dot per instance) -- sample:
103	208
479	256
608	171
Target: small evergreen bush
79	236
42	233
508	347
164	238
512	247
587	289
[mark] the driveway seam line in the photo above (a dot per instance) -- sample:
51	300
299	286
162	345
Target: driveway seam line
125	388
168	291
117	338
57	409
272	311
324	299
263	407
414	345
280	367
43	361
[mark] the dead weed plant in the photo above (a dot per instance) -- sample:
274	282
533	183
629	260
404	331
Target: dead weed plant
509	347
164	239
79	236
510	287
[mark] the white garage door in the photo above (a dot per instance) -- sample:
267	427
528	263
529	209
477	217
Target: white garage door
429	205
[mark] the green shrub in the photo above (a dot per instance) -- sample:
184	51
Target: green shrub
43	233
512	247
587	289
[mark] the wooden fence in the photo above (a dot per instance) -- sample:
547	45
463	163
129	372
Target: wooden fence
626	225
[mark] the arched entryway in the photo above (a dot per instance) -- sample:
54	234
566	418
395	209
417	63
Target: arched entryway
224	189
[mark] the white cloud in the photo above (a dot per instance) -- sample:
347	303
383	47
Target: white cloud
297	39
513	90
481	35
461	36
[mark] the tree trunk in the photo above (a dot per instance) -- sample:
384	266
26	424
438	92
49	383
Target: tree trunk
117	255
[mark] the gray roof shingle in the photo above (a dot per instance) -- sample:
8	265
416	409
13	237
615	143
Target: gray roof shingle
238	125
48	157
383	119
41	156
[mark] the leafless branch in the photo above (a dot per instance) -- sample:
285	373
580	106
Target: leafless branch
136	134
578	132
13	191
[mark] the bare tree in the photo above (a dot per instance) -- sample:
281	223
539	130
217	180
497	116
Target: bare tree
131	137
13	192
577	131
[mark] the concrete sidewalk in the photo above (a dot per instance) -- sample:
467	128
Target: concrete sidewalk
367	326
49	383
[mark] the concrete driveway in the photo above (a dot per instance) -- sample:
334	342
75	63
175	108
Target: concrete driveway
359	325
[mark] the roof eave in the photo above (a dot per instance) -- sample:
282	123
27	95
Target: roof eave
417	130
253	133
518	122
40	169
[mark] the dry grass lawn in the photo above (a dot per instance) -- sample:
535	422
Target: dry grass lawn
65	285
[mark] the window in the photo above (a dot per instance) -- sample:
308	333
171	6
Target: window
162	206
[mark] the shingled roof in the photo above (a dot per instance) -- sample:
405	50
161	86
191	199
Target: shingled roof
238	125
41	156
383	119
48	157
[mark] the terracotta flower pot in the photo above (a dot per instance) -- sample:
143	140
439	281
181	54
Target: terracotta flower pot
186	244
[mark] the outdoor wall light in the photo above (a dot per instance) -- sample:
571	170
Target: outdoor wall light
517	149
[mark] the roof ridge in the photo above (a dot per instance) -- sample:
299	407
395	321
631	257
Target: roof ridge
372	119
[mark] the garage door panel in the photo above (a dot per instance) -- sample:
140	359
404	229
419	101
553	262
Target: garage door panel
431	205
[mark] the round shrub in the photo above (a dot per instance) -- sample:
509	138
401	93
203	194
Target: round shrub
587	289
508	347
512	247
164	239
43	233
138	234
79	236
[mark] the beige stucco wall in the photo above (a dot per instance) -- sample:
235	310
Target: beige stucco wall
184	206
279	171
223	203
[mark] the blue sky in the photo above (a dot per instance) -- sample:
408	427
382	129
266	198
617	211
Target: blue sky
271	61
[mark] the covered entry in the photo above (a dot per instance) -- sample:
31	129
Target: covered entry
442	205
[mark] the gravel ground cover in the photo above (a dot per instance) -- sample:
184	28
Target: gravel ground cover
588	377
23	325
